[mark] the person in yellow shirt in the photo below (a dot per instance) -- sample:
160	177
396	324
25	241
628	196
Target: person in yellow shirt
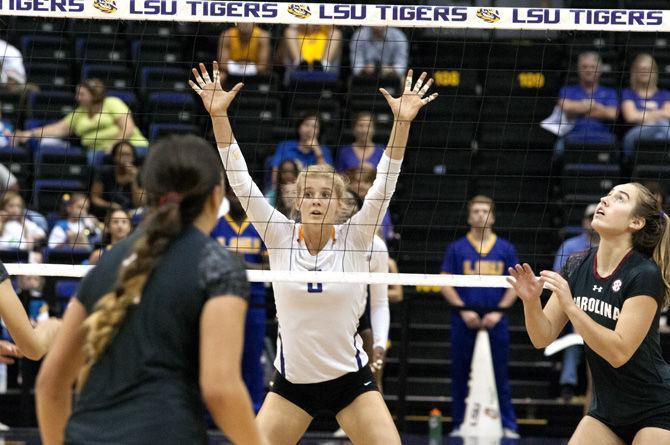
99	122
317	47
244	49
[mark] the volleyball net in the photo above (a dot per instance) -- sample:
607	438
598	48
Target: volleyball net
493	130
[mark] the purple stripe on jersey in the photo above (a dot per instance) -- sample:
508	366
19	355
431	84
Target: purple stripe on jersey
358	354
282	366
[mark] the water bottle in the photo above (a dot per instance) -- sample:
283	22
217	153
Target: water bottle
435	427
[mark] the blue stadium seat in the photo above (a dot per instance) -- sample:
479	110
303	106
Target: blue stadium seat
61	162
154	79
128	97
65	289
66	255
48	193
108	49
177	108
162	53
45	48
10	107
159	130
114	76
50	105
50	75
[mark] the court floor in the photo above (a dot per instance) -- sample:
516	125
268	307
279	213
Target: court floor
30	436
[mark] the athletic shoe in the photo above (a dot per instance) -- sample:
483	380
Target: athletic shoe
510	434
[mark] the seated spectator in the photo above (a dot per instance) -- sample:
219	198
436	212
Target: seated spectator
362	150
16	230
12	71
379	51
78	229
288	174
591	106
117	228
117	186
572	355
244	50
644	105
306	150
312	48
99	122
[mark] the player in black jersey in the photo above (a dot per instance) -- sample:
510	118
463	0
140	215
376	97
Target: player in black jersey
156	328
613	295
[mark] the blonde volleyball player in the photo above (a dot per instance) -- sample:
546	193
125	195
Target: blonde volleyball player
320	362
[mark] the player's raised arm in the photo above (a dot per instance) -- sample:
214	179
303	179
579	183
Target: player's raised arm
216	101
405	109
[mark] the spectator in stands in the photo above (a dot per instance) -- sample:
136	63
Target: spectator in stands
591	106
306	150
78	229
16	230
100	121
286	176
360	181
6	133
657	190
480	252
12	71
362	150
117	186
644	105
312	48
117	228
244	50
572	355
379	51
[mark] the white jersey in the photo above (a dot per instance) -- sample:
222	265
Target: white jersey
317	338
380	316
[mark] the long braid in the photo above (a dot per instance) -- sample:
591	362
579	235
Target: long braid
177	184
162	227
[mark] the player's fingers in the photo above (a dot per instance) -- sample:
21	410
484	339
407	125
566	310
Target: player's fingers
198	78
238	86
429	99
424	89
195	87
408	81
386	94
528	270
419	82
205	73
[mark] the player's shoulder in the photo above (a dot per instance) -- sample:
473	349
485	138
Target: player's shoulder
640	264
214	258
504	244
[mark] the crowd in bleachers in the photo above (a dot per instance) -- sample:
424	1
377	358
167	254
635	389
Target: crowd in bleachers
72	90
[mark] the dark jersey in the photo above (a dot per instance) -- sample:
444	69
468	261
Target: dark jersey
144	389
641	387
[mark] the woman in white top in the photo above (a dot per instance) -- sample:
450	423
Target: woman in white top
17	231
320	361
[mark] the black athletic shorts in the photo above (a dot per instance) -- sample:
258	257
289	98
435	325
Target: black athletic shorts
627	432
330	396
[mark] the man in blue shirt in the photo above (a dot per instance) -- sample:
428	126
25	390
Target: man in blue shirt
235	232
480	252
572	355
592	107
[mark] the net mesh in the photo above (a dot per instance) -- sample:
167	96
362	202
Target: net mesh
481	136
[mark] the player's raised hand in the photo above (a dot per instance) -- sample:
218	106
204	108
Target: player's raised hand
215	99
413	98
524	282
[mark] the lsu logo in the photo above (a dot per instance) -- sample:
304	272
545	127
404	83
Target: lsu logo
300	11
106	6
488	15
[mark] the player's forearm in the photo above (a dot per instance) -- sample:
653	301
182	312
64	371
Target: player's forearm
607	343
232	412
395	149
538	325
53	407
223	132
